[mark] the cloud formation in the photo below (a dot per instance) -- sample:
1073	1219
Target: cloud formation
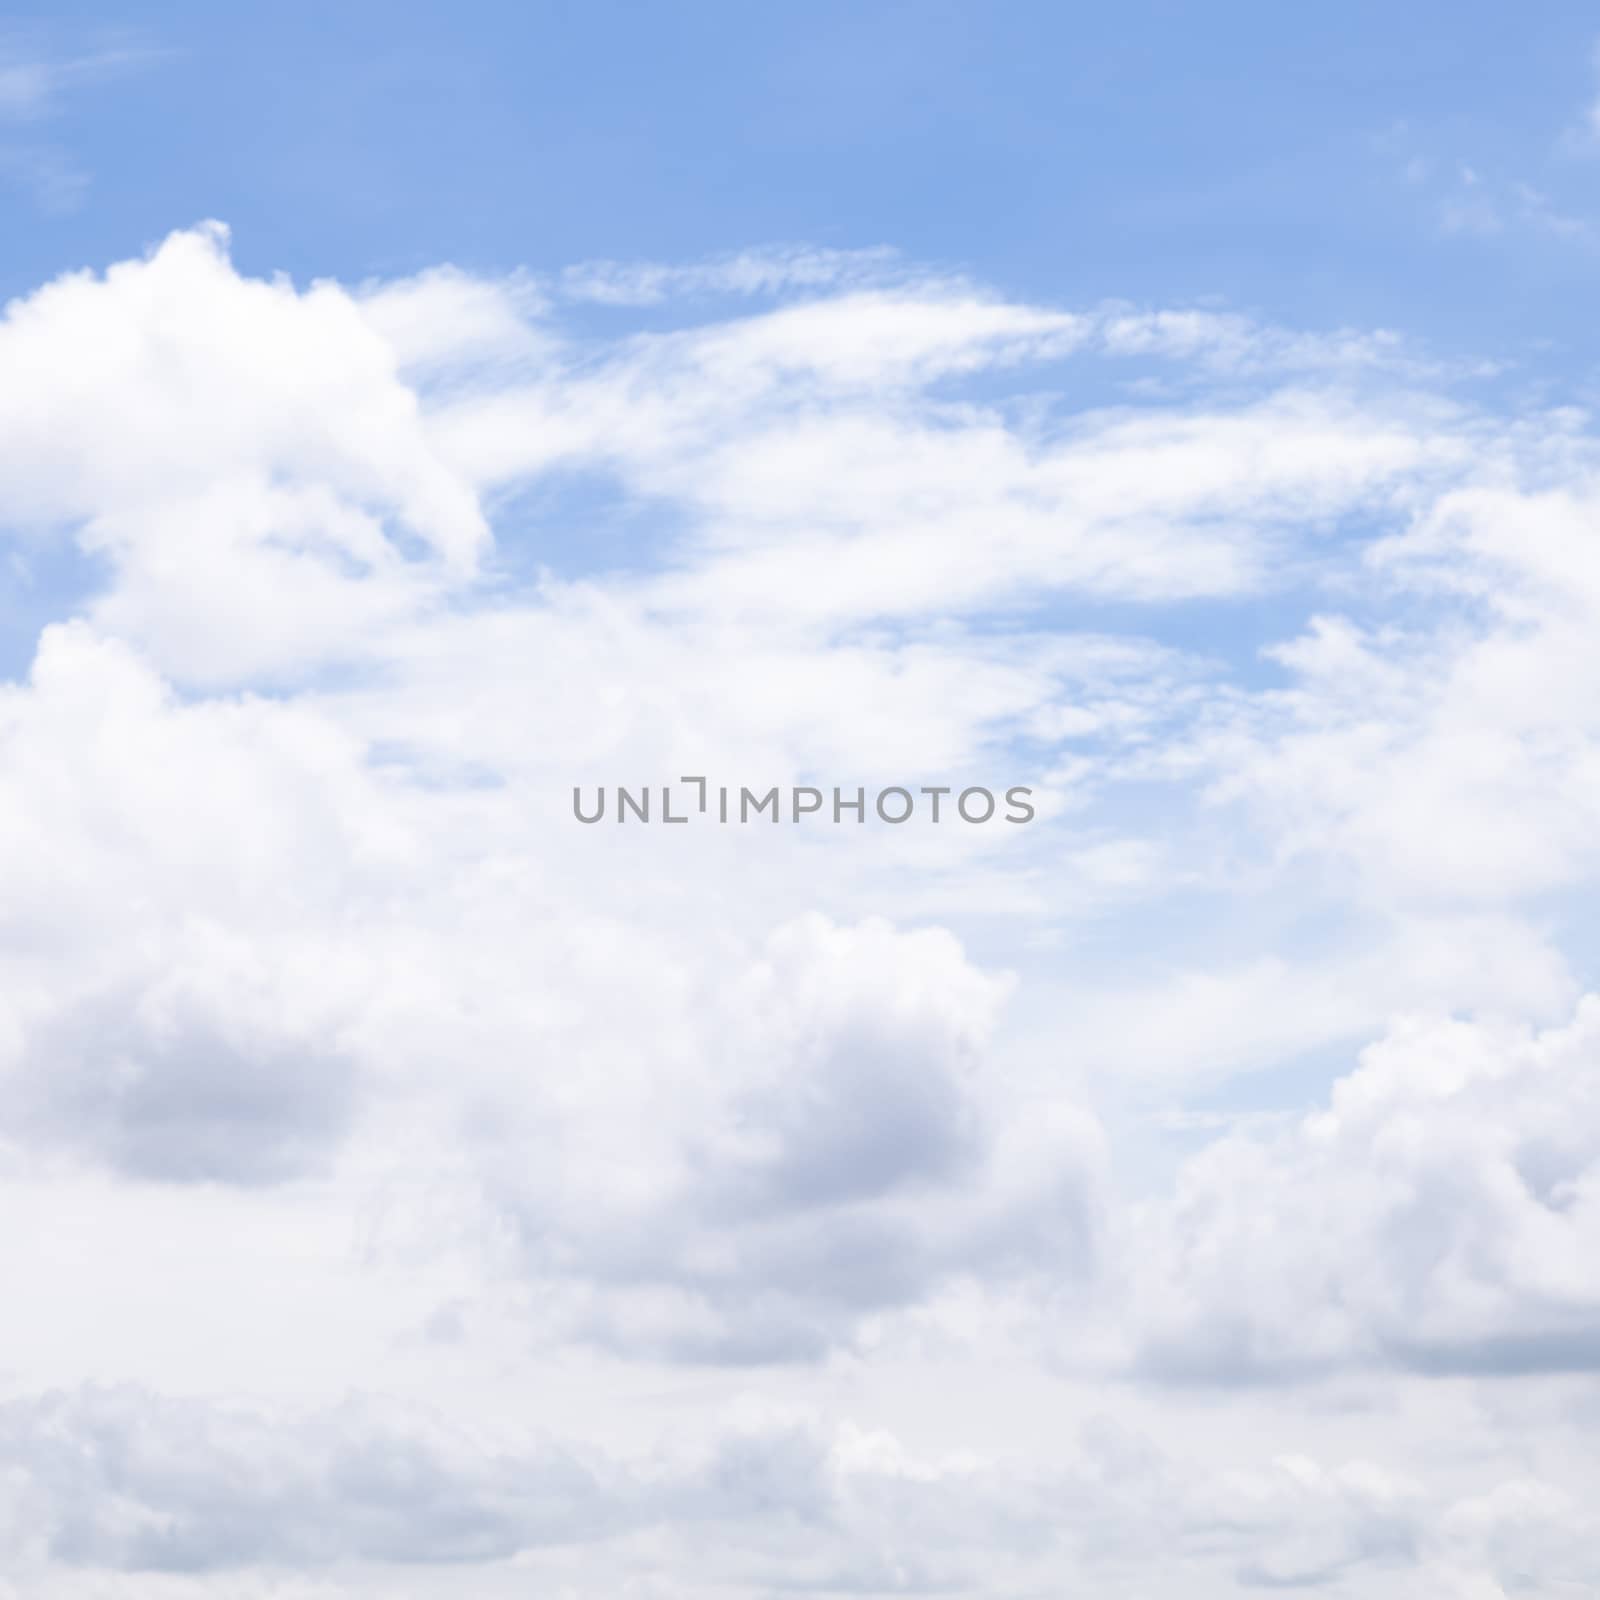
1257	1065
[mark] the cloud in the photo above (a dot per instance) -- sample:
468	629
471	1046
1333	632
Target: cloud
123	1480
56	183
1446	762
812	438
1582	136
1468	199
171	1492
207	435
750	272
36	81
302	948
825	1151
1437	1215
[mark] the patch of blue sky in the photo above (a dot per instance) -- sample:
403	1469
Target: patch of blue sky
1149	151
42	580
575	524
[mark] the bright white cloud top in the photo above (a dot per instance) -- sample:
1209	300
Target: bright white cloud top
415	1192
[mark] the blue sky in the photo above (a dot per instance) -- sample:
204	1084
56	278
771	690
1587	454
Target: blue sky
1268	156
410	416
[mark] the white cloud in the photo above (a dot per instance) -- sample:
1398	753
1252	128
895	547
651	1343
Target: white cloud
1438	1214
33	79
750	272
121	1491
300	946
37	80
817	1147
243	455
1447	762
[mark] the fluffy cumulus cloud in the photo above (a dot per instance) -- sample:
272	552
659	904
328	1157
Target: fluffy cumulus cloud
1191	1190
244	456
825	1149
1438	1213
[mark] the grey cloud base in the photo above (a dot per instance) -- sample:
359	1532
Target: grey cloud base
124	1482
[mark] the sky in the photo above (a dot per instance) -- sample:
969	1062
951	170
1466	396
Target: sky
412	417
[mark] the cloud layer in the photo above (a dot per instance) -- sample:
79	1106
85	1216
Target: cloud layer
1250	1082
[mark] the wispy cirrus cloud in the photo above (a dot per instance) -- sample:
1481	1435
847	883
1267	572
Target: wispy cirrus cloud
37	80
749	272
40	78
